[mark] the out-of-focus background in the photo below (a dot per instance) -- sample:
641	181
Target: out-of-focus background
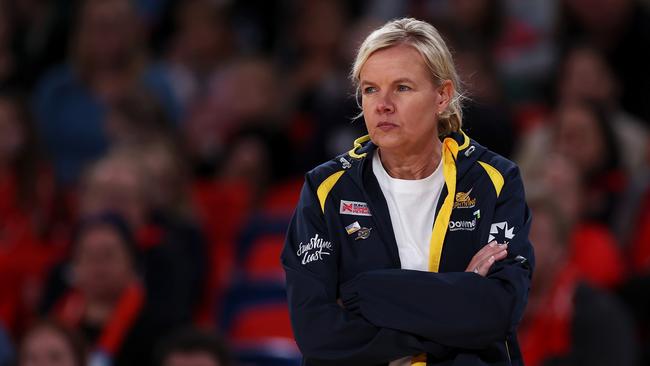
152	151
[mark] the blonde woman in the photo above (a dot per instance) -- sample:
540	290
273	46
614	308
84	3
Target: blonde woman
412	248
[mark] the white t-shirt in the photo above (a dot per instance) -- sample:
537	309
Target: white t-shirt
412	208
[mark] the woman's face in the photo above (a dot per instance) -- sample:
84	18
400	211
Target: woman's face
400	100
579	138
107	30
586	76
46	347
102	265
116	186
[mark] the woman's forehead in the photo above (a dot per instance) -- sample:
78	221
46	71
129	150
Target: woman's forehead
396	62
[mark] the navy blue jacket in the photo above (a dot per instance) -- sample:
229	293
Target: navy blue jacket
352	304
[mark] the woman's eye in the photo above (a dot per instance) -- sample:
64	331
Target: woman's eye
369	90
403	88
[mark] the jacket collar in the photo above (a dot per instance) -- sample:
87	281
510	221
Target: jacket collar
467	153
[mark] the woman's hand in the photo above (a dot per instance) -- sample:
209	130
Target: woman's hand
485	258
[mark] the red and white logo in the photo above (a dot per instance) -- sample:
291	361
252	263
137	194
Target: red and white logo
354	208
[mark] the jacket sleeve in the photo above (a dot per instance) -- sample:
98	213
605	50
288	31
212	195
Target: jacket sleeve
325	332
457	309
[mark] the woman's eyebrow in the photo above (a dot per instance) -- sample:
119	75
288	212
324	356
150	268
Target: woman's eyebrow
396	81
403	80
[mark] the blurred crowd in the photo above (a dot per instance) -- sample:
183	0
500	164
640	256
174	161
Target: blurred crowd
152	151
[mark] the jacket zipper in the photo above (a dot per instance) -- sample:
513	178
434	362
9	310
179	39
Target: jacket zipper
508	352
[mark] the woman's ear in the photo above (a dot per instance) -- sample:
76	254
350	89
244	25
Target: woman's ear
445	93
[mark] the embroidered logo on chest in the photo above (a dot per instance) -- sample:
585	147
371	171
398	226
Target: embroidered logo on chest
469	225
464	200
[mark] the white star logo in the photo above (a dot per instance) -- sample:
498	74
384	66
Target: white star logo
501	231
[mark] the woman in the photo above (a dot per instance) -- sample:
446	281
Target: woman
368	282
27	213
108	303
570	319
48	343
107	63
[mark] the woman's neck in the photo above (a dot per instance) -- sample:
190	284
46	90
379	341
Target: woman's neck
416	164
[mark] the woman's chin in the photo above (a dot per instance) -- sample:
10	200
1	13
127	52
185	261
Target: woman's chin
386	140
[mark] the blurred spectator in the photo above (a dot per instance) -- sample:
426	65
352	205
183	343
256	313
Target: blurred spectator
192	347
165	166
201	41
136	119
107	62
182	240
49	344
26	184
315	35
514	36
117	183
585	75
584	135
26	215
255	24
621	30
486	117
147	185
38	32
259	157
527	51
315	65
241	94
592	248
477	22
582	132
140	185
567	321
107	303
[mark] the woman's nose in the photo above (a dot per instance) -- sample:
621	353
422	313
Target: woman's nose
385	105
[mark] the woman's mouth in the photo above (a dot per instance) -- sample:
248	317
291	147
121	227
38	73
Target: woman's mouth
386	126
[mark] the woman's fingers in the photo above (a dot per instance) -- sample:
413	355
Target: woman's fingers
487	251
486	257
484	254
483	268
502	254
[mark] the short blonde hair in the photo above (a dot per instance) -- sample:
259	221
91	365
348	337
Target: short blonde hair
427	41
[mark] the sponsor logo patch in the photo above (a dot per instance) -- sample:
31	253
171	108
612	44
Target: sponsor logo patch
464	200
501	233
462	225
314	250
354	208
